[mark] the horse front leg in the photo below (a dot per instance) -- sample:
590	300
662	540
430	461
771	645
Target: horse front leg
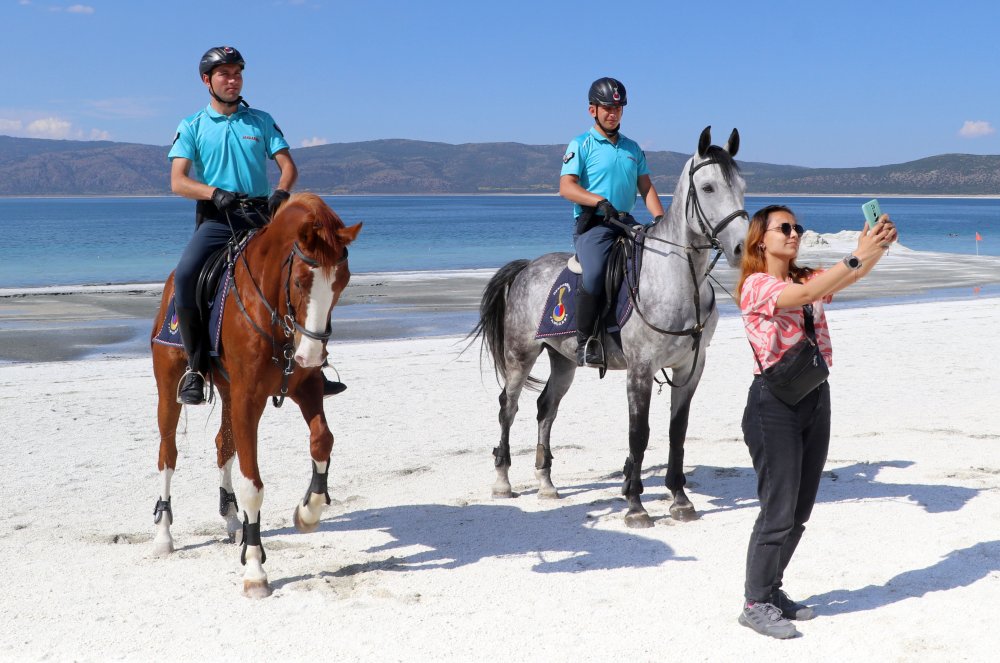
561	376
640	387
309	397
225	453
680	408
167	370
245	419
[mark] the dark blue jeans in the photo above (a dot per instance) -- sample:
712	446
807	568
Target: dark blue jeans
208	237
788	445
592	250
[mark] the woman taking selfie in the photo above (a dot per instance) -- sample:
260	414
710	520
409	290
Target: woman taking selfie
786	423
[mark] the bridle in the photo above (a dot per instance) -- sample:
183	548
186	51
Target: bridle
711	232
707	229
288	323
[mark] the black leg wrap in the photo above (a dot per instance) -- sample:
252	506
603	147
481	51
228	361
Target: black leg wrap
163	507
251	537
225	499
318	484
633	480
501	458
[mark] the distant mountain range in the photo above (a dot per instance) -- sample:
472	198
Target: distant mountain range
37	167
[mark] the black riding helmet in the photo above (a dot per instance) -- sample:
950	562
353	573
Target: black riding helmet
607	92
219	55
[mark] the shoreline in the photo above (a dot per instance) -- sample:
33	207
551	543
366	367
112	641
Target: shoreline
62	323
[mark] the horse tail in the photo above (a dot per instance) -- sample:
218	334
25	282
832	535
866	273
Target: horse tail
492	310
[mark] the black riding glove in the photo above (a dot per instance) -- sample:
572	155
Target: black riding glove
223	199
607	210
274	202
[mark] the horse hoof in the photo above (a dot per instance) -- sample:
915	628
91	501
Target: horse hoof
163	548
302	526
638	520
256	589
548	494
683	514
502	493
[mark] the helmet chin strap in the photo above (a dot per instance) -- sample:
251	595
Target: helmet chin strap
610	133
235	102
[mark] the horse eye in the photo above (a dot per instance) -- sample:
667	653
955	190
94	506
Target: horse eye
298	284
708	188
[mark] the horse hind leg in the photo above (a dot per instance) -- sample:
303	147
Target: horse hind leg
226	452
560	379
517	375
167	372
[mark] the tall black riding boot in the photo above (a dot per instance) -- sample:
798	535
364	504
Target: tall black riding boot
191	390
588	349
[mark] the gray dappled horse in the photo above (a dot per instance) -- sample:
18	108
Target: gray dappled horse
674	321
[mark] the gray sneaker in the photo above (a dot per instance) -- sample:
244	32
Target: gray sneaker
789	608
766	619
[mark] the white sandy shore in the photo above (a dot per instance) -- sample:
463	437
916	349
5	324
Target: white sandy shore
415	562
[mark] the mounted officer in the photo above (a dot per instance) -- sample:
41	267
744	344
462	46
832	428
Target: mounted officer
229	144
601	174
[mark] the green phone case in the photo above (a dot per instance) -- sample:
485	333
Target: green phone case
872	212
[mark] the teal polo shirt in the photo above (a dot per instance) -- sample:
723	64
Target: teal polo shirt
611	170
230	151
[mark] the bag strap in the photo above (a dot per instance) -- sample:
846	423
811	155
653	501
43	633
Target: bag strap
810	330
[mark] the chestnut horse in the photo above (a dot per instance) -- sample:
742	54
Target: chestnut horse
283	288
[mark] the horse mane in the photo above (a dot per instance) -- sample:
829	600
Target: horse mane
726	162
313	209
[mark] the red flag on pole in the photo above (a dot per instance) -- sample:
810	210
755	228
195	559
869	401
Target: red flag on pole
978	238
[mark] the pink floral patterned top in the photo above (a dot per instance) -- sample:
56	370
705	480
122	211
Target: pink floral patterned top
772	330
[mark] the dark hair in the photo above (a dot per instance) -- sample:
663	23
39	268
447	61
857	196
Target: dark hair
753	257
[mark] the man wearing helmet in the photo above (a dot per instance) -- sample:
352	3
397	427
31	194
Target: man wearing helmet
229	144
601	174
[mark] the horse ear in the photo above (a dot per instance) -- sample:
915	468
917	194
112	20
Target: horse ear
733	144
348	235
705	141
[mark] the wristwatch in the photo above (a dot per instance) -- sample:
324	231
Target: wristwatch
852	261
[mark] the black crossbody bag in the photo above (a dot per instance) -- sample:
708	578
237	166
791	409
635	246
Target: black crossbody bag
800	370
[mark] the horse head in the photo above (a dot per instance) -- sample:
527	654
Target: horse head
714	195
317	271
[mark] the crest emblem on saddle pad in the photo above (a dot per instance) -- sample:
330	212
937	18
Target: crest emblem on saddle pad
568	156
558	314
173	324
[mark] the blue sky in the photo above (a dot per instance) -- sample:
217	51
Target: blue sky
821	83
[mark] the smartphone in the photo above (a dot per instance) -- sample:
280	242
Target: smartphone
872	212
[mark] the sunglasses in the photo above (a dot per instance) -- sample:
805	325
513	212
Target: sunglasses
786	229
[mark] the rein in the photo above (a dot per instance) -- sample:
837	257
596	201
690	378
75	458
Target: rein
712	234
288	323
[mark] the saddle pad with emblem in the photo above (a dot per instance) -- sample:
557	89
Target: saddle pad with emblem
170	333
559	315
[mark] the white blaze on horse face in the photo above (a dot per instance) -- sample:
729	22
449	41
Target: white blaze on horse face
310	352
